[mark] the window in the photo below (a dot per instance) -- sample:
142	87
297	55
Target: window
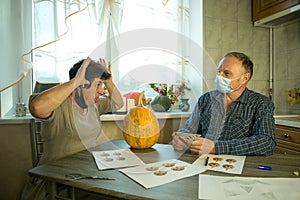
133	66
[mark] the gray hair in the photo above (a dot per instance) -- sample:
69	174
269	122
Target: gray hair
246	62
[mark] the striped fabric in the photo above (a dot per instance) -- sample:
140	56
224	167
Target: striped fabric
246	128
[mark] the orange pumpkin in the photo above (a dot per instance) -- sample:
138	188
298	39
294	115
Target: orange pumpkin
140	127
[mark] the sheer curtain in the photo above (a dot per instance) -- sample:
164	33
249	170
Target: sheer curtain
158	48
68	30
72	29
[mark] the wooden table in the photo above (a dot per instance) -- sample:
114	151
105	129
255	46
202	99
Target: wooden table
125	188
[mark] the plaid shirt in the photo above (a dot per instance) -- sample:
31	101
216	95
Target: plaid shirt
246	128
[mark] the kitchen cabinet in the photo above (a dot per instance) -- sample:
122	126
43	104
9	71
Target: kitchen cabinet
266	8
288	139
16	156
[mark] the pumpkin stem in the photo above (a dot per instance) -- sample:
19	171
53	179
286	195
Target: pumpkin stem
140	99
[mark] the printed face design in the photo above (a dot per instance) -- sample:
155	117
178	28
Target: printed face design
108	159
227	167
178	168
214	165
120	158
104	154
230	160
169	164
160	173
217	159
152	168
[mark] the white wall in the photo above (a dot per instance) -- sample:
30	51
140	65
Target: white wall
228	27
15	40
286	65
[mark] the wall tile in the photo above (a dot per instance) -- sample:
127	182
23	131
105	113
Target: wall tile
293	67
245	36
212	32
293	35
280	66
229	9
210	71
261	67
261	87
287	65
229	34
261	40
212	8
243	14
280	38
225	31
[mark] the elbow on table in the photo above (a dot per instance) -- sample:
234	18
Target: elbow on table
270	148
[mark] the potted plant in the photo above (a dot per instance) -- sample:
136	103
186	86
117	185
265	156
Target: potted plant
162	102
293	96
177	92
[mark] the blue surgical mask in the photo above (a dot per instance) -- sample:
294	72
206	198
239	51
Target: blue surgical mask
222	84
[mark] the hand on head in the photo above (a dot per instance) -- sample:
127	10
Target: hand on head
103	63
80	76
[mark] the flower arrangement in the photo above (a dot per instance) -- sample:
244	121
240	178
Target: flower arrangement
160	88
174	92
178	90
293	96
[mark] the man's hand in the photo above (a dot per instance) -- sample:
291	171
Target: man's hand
179	142
203	146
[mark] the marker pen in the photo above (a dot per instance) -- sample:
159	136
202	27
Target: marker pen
262	167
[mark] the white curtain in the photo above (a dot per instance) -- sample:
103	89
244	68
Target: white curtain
68	31
100	27
157	48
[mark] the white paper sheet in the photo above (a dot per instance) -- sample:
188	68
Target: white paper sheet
248	188
113	159
158	173
226	163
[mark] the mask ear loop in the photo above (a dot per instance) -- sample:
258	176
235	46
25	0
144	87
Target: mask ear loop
234	89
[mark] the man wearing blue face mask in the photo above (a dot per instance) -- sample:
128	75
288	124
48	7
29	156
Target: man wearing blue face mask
231	119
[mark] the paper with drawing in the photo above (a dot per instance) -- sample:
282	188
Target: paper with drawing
116	159
226	163
248	188
158	173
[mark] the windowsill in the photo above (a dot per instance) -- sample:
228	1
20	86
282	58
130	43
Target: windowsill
289	120
13	119
106	117
159	115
